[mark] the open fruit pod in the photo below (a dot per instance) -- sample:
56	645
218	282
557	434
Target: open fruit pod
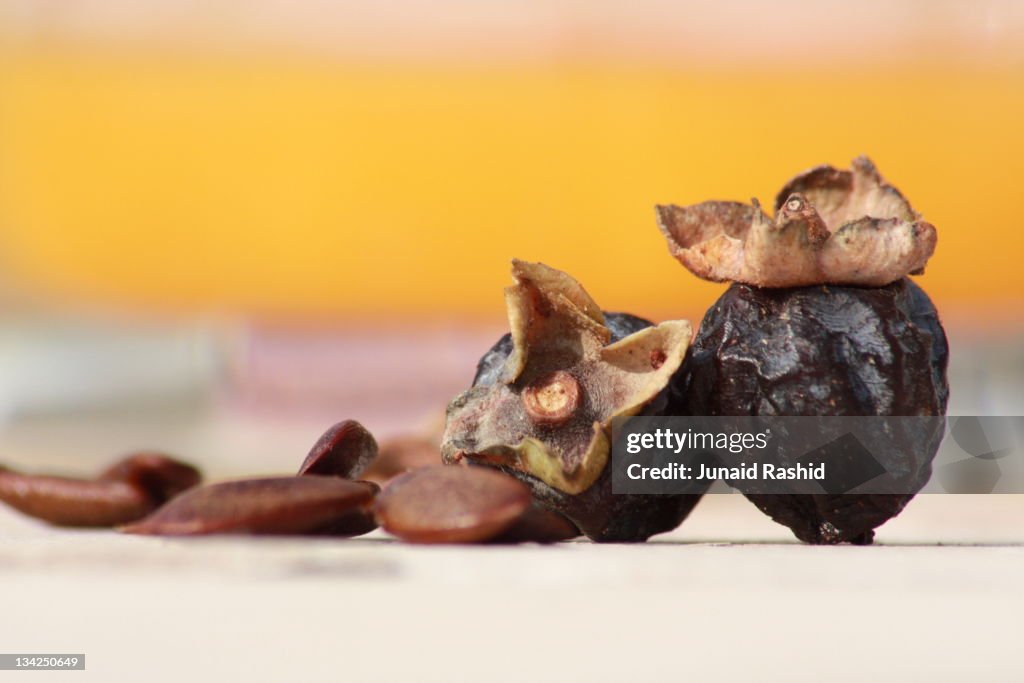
545	395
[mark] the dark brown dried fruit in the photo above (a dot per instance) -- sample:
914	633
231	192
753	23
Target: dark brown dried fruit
608	517
544	397
401	454
279	505
823	351
344	450
451	504
127	491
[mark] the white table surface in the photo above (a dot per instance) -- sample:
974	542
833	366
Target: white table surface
728	596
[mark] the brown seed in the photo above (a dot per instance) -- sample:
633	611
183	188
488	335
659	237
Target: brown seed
451	504
553	399
125	492
343	451
353	524
539	525
74	502
280	505
159	476
402	454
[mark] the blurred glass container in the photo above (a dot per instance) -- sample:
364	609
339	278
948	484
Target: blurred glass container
59	367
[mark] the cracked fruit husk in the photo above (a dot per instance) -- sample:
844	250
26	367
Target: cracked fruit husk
544	396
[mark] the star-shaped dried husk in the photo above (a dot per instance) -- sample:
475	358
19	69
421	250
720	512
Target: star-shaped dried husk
831	226
551	413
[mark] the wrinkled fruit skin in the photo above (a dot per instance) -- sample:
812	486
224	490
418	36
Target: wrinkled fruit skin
805	351
601	515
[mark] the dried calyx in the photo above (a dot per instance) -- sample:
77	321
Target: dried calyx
831	226
549	414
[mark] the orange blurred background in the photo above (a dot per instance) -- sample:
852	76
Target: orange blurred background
311	162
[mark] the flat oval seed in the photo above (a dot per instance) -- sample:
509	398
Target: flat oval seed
279	505
353	524
344	450
451	504
74	502
356	522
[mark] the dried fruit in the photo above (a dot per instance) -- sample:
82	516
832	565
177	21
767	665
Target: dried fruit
280	505
451	504
824	351
802	349
344	450
544	396
831	227
126	492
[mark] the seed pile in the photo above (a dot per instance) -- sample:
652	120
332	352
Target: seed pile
417	500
